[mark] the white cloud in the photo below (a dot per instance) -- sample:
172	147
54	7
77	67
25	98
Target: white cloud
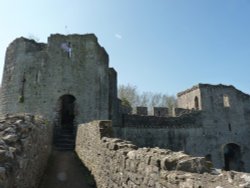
118	36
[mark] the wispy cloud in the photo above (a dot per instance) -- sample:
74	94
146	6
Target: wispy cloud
118	36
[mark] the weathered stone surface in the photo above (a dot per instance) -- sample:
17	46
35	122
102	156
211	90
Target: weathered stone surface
36	75
118	163
10	138
2	173
24	150
194	164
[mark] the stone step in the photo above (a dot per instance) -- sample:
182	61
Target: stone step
64	140
64	144
64	148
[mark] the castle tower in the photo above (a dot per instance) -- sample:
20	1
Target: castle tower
67	80
225	123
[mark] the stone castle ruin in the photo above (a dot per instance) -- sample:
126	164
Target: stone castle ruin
69	83
69	89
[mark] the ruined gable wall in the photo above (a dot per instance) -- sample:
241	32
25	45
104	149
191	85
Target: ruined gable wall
186	99
226	124
224	120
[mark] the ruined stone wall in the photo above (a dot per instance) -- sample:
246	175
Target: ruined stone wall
118	163
186	99
225	120
19	82
25	148
194	133
37	75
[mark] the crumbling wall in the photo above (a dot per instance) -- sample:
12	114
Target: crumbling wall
190	99
118	163
225	121
25	145
21	87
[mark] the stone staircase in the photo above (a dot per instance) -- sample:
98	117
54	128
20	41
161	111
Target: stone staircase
64	140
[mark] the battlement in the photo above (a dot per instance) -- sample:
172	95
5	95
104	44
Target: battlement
155	122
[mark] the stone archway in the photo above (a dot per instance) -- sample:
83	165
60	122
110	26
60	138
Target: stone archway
67	111
64	130
232	157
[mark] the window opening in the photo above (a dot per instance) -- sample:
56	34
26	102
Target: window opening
226	101
196	103
208	157
229	127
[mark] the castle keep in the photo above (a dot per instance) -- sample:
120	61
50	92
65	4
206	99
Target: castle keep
68	82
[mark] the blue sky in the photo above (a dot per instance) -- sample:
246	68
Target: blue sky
162	46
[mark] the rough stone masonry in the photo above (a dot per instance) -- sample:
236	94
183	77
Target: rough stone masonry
118	163
25	146
68	82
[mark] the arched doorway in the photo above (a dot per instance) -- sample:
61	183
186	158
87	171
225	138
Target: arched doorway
67	111
232	157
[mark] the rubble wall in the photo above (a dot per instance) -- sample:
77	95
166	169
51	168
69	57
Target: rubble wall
118	163
25	146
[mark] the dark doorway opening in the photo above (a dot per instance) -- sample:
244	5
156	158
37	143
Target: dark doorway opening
196	103
232	157
67	114
208	157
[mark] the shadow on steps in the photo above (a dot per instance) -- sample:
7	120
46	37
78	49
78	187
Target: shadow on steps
65	170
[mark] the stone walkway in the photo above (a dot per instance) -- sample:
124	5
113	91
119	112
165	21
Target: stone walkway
65	170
